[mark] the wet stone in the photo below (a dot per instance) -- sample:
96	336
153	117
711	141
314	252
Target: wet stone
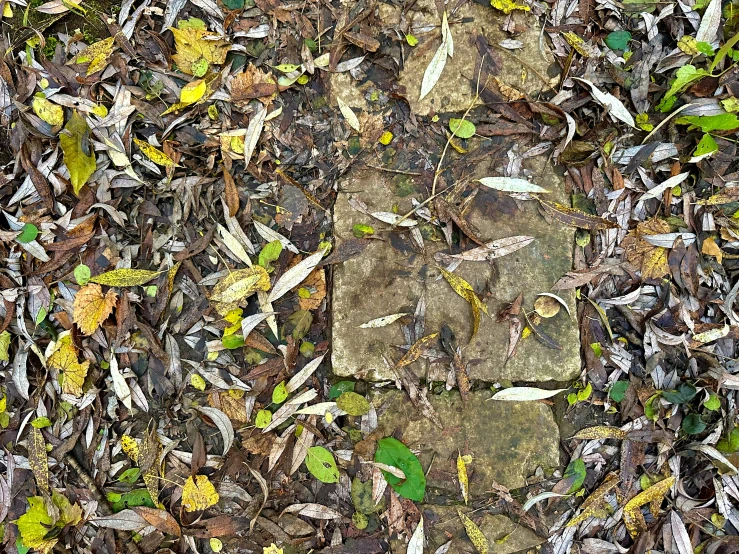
525	69
508	441
442	524
393	273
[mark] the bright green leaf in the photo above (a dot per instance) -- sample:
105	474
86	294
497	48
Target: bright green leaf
320	462
618	391
709	123
575	474
392	452
713	403
279	394
133	499
28	233
411	40
82	274
269	254
706	146
264	418
340	388
461	128
618	40
130	476
41	422
5	346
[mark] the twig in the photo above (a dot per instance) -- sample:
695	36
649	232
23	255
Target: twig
400	171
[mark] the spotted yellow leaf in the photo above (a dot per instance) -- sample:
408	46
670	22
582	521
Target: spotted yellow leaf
65	359
198	494
271	549
79	156
416	350
96	55
473	532
91	307
633	517
154	154
52	113
596	505
462	476
130	447
237	286
124	277
37	459
465	290
600	432
197	382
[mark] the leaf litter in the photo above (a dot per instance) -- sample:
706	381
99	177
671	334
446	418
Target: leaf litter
159	153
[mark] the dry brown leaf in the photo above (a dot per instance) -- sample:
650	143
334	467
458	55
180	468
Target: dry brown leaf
315	284
91	308
253	83
650	259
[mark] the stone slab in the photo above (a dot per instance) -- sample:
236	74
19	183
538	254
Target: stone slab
442	524
525	69
384	280
508	441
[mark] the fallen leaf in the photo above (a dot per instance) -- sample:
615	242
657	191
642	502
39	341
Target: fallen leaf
38	460
348	114
154	154
525	394
382	321
65	359
436	66
237	286
576	218
600	432
79	156
193	91
464	483
198	493
321	463
614	106
632	515
473	532
465	290
91	307
415	545
416	350
294	276
651	260
96	55
511	184
52	113
195	53
124	277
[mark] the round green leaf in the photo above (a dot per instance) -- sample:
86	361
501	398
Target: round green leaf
279	394
28	233
199	67
340	388
41	422
264	418
618	40
353	403
232	341
713	403
320	462
693	424
461	128
82	274
411	40
392	452
130	476
618	391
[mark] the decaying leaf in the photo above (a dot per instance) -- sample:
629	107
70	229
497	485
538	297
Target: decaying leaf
197	49
65	359
37	459
464	483
124	277
633	517
600	432
595	505
416	350
237	286
473	532
154	154
91	307
651	260
349	115
576	218
96	55
382	321
465	290
198	493
79	156
435	68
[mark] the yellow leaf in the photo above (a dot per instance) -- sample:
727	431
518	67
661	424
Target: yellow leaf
124	277
130	447
195	53
271	549
7	10
216	545
79	156
237	286
64	359
192	92
712	249
198	494
37	459
600	432
633	517
235	319
473	532
154	154
91	308
416	350
96	55
48	111
507	6
463	480
171	274
197	381
577	42
595	505
35	524
465	290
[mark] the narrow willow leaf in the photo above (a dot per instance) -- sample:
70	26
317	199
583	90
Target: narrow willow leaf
576	218
124	277
511	184
473	532
349	115
525	394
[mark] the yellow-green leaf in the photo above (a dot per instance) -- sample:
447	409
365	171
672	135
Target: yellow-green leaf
37	459
195	53
4	346
633	517
124	277
237	286
192	92
197	381
96	55
464	483
52	113
154	154
79	156
507	6
465	290
473	532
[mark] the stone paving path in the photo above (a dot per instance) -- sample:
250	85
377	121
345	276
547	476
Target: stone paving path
508	441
